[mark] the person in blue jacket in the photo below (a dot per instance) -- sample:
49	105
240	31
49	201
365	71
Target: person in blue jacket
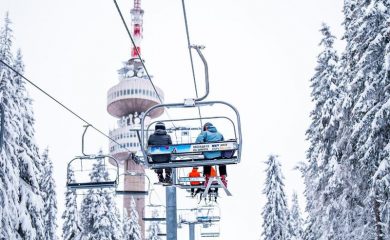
210	134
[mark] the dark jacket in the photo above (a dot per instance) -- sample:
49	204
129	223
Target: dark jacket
160	137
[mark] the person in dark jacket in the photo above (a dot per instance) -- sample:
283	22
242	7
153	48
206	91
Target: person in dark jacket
210	134
160	137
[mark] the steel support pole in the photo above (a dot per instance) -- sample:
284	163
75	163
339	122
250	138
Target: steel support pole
192	230
170	192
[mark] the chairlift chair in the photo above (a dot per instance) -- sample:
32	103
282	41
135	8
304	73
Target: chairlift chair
82	165
211	231
133	177
187	154
156	213
208	213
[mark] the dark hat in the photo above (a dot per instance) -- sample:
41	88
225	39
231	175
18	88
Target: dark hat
208	124
159	125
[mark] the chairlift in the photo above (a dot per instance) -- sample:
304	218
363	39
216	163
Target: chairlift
191	154
82	165
1	126
154	213
210	230
208	214
128	181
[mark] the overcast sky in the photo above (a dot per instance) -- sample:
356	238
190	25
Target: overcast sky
261	56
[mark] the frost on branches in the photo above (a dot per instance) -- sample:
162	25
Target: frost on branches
131	227
275	212
99	215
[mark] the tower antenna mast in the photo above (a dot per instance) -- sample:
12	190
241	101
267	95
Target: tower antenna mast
137	25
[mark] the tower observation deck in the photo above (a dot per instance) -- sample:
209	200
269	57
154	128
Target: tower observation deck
127	100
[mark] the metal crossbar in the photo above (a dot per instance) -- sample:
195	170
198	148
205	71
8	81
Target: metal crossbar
92	185
132	193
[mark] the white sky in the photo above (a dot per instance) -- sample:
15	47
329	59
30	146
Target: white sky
261	55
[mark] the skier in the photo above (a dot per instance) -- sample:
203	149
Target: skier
210	134
194	174
160	137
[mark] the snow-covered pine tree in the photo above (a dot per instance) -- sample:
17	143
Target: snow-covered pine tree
275	212
154	228
363	140
322	134
295	220
131	227
99	215
9	165
31	205
70	226
48	193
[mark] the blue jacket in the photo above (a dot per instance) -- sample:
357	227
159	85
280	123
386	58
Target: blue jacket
211	135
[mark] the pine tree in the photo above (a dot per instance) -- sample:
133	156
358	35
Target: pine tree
131	227
9	165
31	222
99	214
322	135
49	195
275	212
70	226
295	220
154	228
363	138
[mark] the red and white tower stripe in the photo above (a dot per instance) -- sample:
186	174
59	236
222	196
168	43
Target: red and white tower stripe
137	21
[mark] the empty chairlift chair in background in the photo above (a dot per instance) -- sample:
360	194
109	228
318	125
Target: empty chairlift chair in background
210	230
132	179
208	214
83	166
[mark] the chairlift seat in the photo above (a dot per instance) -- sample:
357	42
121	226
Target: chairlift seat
191	179
131	193
210	234
154	219
203	219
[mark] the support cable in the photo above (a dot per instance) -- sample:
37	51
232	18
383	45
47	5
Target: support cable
62	105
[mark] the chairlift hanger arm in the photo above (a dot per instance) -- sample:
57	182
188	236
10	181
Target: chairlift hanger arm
206	70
